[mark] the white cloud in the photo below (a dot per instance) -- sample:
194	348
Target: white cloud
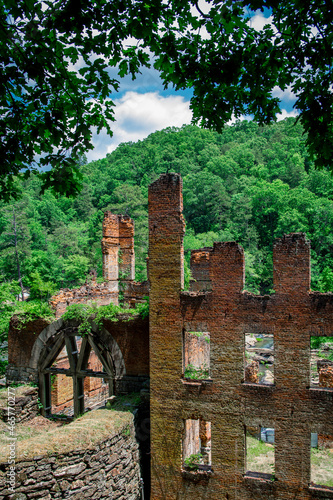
286	114
285	95
240	118
258	21
137	116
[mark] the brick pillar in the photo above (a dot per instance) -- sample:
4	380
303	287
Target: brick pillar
126	242
291	264
118	251
110	249
200	270
166	277
227	268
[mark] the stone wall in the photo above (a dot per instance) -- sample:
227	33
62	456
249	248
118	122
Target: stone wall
227	402
26	405
109	469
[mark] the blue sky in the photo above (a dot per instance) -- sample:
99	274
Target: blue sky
142	106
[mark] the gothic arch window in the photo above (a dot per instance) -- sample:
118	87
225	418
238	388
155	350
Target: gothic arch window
78	353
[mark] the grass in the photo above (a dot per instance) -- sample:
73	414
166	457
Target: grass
128	402
322	466
196	373
41	437
259	456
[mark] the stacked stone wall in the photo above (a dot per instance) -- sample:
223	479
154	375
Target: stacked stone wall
26	406
108	470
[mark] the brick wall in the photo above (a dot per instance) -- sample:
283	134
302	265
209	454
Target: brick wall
292	314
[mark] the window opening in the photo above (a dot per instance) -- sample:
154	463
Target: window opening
196	355
75	375
196	445
259	358
321	460
260	456
321	362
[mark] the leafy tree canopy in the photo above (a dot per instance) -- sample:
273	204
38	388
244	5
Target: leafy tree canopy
56	86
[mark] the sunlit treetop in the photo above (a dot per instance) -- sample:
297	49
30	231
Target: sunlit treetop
55	83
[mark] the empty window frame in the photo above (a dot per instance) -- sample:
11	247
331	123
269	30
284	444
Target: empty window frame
321	362
259	358
321	460
260	456
196	355
196	445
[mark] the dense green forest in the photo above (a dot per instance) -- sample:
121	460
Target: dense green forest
250	184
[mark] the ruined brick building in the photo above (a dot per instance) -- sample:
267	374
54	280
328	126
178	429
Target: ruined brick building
207	332
215	412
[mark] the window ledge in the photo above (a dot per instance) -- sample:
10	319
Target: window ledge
204	472
260	476
321	491
324	390
196	382
258	386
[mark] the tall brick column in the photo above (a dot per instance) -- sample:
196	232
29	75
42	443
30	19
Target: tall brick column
110	249
166	231
200	270
291	269
126	243
118	250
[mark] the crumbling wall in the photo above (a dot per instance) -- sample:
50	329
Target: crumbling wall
93	292
118	271
229	402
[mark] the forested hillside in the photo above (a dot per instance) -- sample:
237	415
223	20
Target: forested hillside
250	184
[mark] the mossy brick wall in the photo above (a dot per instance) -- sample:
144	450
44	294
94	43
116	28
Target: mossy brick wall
132	337
21	339
108	470
292	314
